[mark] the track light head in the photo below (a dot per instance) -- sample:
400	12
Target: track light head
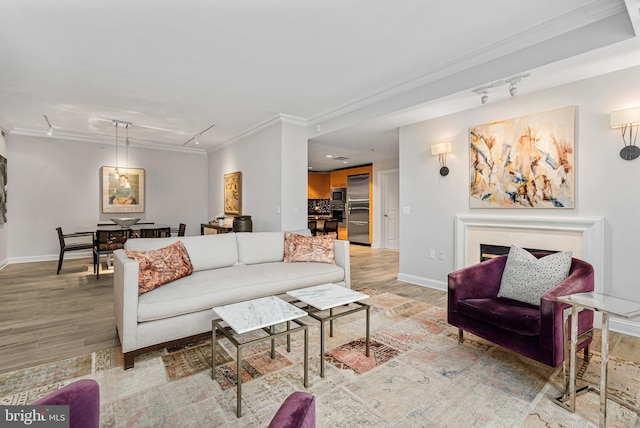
513	90
485	98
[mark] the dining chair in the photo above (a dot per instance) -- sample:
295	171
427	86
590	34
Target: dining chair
163	232
106	241
181	229
147	233
73	246
312	225
330	226
160	232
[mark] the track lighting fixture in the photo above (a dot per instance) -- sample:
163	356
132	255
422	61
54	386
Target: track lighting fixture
196	138
50	131
483	91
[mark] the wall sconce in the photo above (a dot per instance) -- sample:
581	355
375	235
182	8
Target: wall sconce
441	150
627	119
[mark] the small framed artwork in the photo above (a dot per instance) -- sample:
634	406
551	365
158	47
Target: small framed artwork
122	190
233	193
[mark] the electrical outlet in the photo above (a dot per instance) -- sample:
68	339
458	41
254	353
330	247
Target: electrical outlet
432	254
441	254
406	210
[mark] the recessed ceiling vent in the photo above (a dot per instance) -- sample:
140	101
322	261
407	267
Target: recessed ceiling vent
341	158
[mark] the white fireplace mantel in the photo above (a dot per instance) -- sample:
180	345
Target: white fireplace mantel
588	231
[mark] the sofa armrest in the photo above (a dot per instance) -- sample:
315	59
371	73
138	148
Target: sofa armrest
125	292
580	280
478	281
342	258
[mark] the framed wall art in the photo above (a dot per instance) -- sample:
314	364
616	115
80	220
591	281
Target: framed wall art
525	162
233	193
122	193
3	189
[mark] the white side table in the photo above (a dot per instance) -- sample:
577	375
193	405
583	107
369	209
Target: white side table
606	305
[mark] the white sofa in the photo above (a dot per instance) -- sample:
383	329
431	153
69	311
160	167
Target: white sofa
228	268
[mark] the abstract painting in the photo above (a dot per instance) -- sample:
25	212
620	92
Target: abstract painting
525	162
122	192
233	193
3	190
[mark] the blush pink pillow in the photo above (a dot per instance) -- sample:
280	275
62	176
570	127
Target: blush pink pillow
299	248
161	266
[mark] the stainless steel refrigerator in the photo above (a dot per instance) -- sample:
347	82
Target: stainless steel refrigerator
358	208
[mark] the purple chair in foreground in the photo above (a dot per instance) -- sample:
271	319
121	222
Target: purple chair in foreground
297	411
533	331
83	399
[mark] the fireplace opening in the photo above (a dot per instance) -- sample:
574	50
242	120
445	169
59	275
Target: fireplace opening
491	251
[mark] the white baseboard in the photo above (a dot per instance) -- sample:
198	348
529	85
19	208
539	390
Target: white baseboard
624	326
423	282
4	263
49	257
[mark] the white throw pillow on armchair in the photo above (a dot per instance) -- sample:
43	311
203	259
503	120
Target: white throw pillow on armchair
526	278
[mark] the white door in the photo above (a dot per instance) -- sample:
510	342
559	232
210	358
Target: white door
390	209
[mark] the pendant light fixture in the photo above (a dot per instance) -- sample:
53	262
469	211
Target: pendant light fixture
126	142
116	172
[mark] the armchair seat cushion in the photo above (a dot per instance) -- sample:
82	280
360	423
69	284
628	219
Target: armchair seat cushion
507	314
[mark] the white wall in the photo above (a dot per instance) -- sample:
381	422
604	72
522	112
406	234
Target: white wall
273	162
606	185
4	235
56	182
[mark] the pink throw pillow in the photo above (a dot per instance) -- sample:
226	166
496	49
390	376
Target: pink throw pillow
161	266
299	248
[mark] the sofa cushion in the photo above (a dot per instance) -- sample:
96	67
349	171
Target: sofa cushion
206	251
527	278
207	289
298	248
505	314
260	247
158	267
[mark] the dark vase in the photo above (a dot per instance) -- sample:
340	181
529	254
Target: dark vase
242	223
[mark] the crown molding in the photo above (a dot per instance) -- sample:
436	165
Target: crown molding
275	120
566	23
85	137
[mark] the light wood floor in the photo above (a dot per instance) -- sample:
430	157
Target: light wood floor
46	317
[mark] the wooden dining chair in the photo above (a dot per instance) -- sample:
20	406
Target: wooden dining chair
74	245
312	225
182	229
106	241
330	226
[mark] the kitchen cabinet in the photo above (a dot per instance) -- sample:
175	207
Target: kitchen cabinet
339	178
318	185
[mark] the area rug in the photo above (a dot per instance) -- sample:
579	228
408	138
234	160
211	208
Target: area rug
417	375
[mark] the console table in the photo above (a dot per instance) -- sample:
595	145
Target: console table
214	226
606	305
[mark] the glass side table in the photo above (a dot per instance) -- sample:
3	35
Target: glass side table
606	305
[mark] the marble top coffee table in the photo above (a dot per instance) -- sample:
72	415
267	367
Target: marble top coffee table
329	297
264	313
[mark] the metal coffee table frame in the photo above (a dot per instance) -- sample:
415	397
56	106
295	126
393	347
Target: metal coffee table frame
272	335
314	313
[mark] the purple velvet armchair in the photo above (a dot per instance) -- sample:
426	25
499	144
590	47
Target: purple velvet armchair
297	411
83	399
536	332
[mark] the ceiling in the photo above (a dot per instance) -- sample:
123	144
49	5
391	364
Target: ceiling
354	70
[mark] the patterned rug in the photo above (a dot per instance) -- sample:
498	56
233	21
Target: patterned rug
417	375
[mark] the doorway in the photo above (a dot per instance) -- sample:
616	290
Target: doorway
390	206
